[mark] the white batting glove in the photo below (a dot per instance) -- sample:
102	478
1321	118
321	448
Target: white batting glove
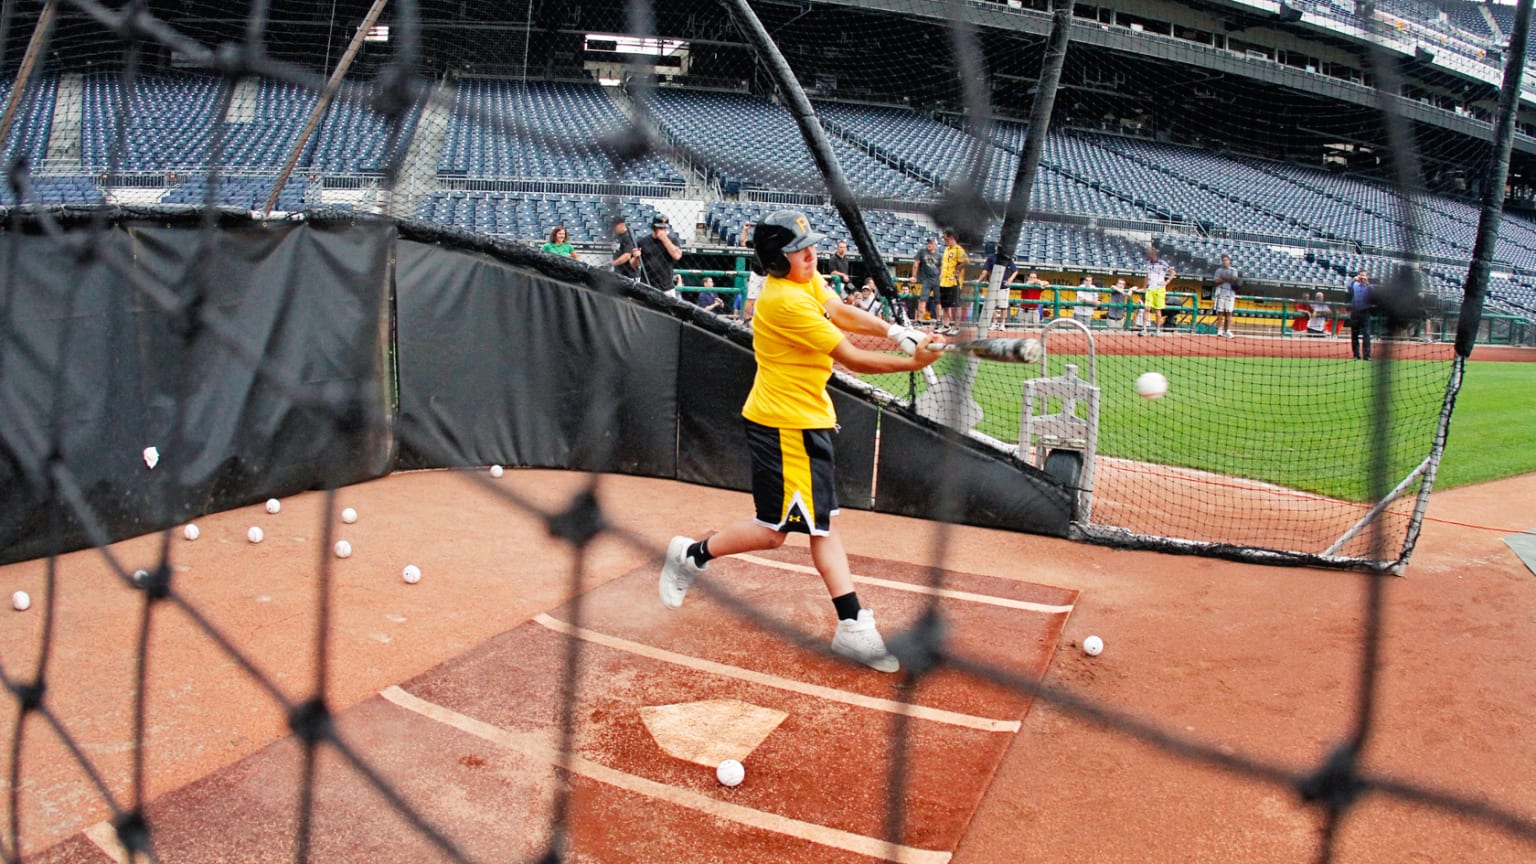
906	338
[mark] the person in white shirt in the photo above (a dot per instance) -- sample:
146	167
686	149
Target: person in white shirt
1317	322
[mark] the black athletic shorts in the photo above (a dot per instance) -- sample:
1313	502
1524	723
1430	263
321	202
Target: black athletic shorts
949	296
793	488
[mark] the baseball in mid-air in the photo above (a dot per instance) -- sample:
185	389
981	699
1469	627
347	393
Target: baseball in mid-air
21	601
1151	385
191	532
411	574
274	505
1093	646
349	515
496	471
254	534
730	773
343	549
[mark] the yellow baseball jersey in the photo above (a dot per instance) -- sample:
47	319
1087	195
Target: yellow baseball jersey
793	339
954	264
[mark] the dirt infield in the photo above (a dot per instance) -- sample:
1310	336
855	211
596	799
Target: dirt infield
1247	659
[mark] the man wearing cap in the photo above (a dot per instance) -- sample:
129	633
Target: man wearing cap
626	255
658	253
800	331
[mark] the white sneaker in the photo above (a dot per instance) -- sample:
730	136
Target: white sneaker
678	573
858	640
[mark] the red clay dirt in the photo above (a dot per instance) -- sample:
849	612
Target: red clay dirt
1246	659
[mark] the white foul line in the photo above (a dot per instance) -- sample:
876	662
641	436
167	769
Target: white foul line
919	712
748	816
920	589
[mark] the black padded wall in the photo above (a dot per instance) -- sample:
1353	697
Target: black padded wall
97	363
502	364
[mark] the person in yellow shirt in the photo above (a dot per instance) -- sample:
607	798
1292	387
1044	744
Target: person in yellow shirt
951	274
798	332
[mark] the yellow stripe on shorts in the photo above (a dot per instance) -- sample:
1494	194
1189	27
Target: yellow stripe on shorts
796	464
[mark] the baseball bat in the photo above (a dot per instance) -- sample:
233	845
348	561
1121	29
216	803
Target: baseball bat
1000	350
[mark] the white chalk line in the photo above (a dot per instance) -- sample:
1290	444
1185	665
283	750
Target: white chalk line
918	712
820	834
947	593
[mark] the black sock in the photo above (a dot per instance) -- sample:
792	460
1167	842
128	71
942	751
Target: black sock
699	552
847	606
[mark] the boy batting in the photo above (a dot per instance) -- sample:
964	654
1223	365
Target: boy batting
798	332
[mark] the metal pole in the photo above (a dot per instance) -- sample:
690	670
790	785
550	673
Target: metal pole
28	61
820	148
1476	286
1017	209
324	102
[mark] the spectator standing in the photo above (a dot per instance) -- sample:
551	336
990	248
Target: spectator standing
658	253
1034	288
1159	274
926	265
1317	321
559	243
1119	295
951	274
1010	272
837	270
1360	316
1087	297
1224	295
626	256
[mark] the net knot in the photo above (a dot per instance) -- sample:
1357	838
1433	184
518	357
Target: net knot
30	696
1335	783
132	831
311	720
579	522
157	585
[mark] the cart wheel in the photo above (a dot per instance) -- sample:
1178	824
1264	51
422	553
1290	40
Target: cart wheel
1065	466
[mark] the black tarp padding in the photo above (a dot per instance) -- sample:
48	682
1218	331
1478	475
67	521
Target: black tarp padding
996	492
499	356
501	364
714	377
310	300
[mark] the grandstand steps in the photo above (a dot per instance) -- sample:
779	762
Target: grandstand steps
243	102
699	185
63	153
1499	36
418	171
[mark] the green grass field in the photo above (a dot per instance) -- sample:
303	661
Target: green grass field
1297	422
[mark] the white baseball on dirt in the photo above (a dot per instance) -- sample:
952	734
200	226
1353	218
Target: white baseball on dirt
21	601
343	549
496	471
274	505
730	773
191	532
254	534
1093	646
411	574
349	515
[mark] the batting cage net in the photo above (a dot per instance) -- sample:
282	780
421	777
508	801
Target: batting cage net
299	245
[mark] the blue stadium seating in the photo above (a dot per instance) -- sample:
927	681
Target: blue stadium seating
530	216
751	143
33	122
557	123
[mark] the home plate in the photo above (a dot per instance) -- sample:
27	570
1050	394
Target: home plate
709	732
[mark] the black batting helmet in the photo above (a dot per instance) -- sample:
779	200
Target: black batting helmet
782	231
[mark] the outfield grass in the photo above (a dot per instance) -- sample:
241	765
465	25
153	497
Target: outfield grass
1304	423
